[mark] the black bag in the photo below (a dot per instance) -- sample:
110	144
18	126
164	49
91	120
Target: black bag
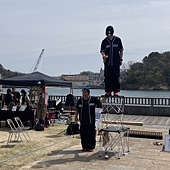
39	127
73	128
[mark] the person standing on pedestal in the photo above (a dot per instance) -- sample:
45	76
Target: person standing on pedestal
112	54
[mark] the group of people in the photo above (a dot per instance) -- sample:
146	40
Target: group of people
112	55
15	98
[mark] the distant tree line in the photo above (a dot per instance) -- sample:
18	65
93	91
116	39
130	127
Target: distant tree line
153	73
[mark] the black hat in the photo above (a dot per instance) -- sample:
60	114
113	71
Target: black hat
22	91
109	31
86	89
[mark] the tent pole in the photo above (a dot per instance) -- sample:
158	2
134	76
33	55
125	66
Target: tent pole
44	103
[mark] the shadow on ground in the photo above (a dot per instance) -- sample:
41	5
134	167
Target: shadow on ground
69	156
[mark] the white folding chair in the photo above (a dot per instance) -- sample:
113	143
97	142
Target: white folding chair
114	136
14	132
22	127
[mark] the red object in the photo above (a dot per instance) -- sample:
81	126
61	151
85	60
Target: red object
51	115
83	150
90	150
108	94
115	93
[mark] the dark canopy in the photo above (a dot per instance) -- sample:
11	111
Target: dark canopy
34	79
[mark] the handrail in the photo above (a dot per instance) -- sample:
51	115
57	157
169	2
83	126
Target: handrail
136	101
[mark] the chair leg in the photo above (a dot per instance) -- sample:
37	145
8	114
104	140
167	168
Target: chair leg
9	138
26	134
16	136
19	137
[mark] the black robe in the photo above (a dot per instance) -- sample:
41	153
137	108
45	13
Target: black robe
86	110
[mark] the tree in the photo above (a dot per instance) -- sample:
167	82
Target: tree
152	73
7	73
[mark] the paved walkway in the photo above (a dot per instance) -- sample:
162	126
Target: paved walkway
144	154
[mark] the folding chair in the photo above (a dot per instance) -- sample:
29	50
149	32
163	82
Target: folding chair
114	140
54	109
113	109
22	127
14	131
114	136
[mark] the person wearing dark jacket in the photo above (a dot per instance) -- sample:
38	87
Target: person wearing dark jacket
85	110
16	96
8	97
112	54
25	99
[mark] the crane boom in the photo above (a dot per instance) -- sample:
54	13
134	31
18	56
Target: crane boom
38	61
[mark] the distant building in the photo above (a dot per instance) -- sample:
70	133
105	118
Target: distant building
84	78
76	79
94	78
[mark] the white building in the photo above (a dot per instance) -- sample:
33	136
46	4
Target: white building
94	78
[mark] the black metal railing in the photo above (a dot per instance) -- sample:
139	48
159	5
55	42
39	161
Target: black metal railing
141	101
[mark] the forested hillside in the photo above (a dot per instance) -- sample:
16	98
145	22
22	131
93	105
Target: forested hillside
7	73
152	73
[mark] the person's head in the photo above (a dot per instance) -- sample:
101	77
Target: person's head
14	89
85	93
8	91
23	92
109	31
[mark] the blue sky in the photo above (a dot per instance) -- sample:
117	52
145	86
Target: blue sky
71	32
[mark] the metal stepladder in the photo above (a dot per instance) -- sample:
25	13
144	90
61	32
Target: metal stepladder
114	136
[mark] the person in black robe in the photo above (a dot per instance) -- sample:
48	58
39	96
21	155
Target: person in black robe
85	108
112	54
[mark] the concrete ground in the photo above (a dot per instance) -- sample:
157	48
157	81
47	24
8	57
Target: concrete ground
145	154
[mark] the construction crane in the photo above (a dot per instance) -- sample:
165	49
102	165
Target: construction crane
38	61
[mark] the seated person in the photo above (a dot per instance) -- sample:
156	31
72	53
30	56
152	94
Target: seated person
10	106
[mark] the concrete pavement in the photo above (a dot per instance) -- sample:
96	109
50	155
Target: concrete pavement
143	155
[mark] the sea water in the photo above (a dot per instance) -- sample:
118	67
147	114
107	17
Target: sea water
59	91
99	92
